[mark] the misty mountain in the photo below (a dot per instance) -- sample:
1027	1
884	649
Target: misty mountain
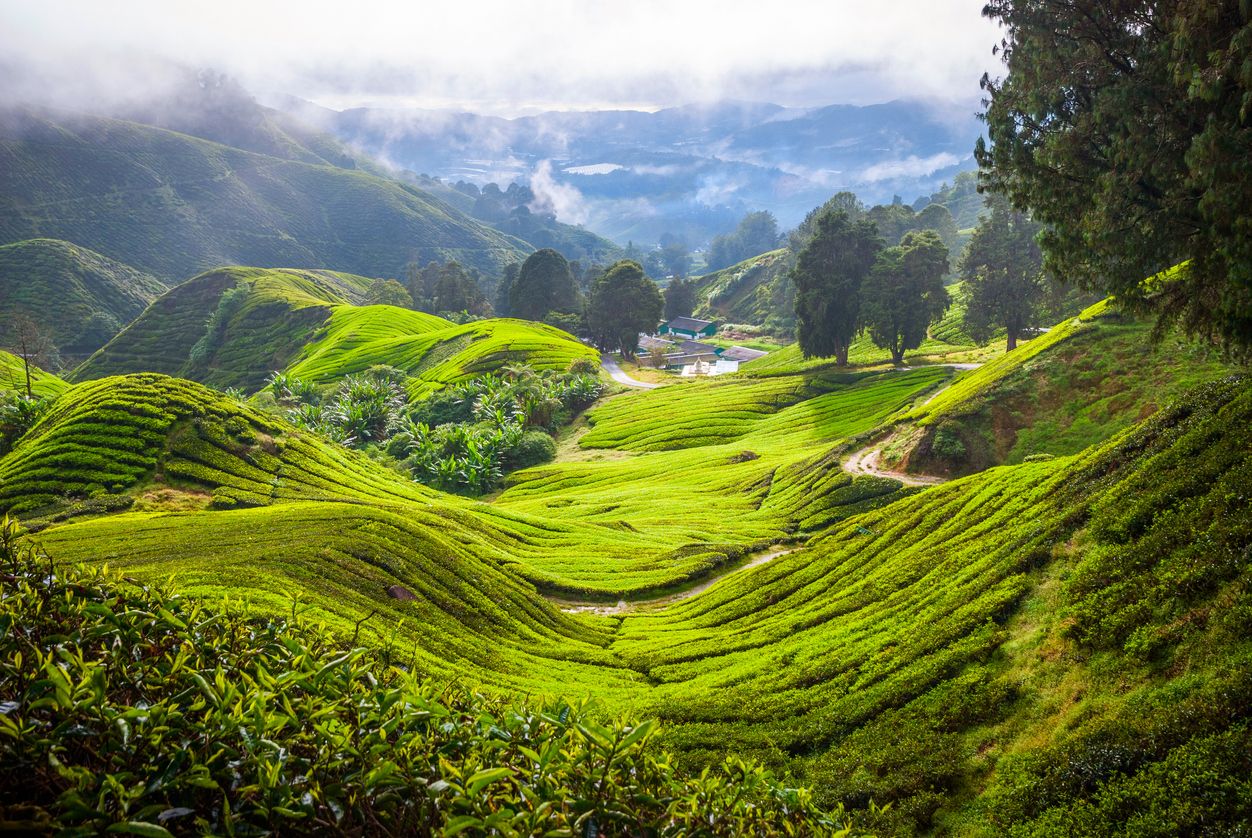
691	171
172	205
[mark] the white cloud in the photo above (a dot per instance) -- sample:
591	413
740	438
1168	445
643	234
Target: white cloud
509	57
911	166
560	199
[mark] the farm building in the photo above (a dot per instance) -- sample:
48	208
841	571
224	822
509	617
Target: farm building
688	327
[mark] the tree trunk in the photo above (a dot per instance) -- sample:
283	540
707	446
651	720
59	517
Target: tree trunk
1012	342
26	364
841	355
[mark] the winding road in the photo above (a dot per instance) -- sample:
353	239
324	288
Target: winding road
619	375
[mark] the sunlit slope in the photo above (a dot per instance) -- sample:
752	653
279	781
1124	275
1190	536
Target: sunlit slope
13	377
229	327
949	653
80	298
174	205
746	470
1022	620
752	291
432	351
1077	385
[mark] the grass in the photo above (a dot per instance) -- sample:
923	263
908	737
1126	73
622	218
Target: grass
13	377
62	286
1048	647
749	292
172	205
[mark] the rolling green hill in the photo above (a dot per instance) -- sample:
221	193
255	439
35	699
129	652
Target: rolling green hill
1021	651
175	205
228	327
1076	385
234	326
13	377
82	299
752	292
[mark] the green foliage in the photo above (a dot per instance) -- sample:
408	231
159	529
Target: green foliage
236	725
1001	269
757	233
680	298
904	293
79	296
387	292
623	304
758	291
13	377
544	284
446	288
18	414
1128	138
828	275
173	206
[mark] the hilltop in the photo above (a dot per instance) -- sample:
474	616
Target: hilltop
79	297
174	205
233	327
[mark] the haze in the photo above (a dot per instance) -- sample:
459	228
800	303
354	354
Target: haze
512	58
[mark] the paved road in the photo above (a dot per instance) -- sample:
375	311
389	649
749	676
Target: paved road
617	374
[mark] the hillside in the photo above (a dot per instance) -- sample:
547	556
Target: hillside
756	291
233	327
13	377
173	205
1079	384
80	298
229	327
948	651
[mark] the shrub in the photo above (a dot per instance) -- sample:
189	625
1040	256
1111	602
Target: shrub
947	444
584	366
533	448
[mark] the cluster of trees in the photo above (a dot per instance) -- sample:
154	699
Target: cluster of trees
619	302
757	233
445	290
847	281
892	221
463	439
1129	139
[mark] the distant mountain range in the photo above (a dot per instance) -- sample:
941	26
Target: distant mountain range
690	171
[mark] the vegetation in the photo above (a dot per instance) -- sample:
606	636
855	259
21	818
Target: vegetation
1003	273
622	305
80	298
544	284
680	298
172	205
904	294
828	276
13	377
446	289
1128	140
240	724
757	233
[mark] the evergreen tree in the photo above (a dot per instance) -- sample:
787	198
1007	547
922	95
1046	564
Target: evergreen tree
623	303
1124	129
504	290
828	276
388	292
543	284
680	298
1002	270
904	292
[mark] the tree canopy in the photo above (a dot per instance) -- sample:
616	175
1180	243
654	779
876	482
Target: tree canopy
757	233
828	276
388	292
1002	270
680	298
447	288
904	292
1129	138
622	304
543	284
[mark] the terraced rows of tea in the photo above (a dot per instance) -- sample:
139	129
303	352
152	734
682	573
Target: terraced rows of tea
939	650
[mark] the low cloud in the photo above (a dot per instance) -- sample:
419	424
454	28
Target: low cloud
560	199
911	167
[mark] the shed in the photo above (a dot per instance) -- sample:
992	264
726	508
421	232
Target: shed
742	354
688	327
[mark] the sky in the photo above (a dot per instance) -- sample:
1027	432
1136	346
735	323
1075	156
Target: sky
510	57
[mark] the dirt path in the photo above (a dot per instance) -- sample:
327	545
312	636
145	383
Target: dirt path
619	375
572	606
865	461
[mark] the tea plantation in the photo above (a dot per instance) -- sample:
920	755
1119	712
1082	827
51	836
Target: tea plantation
1057	646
